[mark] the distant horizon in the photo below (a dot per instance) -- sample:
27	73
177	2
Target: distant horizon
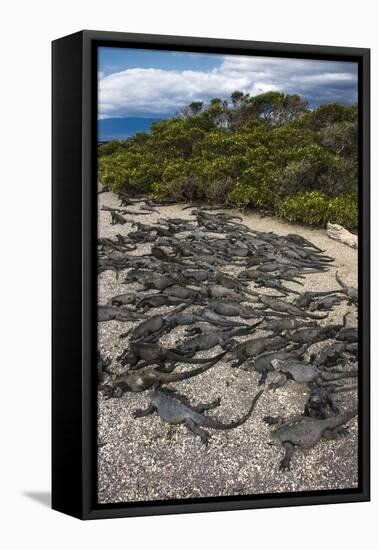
123	127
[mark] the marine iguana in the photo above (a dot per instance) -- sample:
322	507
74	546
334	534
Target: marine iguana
175	409
270	267
142	380
312	335
161	255
117	218
349	291
262	363
330	355
104	189
154	327
320	401
220	292
206	327
123	299
304	373
234	309
349	335
218	320
151	354
198	275
183	292
307	298
326	302
306	432
110	313
157	300
280	305
213	339
287	324
231	282
251	348
270	282
157	281
352	348
302	241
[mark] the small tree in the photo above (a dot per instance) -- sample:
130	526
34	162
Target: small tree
195	107
238	99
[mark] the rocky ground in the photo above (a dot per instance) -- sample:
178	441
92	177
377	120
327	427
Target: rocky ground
148	459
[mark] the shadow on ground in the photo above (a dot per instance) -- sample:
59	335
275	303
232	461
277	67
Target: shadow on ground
41	497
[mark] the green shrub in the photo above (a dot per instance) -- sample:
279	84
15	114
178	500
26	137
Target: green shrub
111	147
112	170
177	183
241	196
343	210
315	208
267	152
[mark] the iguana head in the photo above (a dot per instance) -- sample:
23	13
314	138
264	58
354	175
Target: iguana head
277	364
119	383
315	401
230	345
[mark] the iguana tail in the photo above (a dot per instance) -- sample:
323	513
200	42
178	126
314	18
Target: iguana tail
174	356
247	329
338	375
216	424
340	281
178	376
314	316
339	419
341	389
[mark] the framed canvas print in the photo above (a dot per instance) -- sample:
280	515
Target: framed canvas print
210	274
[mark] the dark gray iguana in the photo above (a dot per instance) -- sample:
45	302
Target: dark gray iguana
304	373
140	354
284	307
320	402
112	313
175	409
142	380
262	363
117	218
349	291
306	432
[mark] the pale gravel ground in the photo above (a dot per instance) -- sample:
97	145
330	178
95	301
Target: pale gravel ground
147	459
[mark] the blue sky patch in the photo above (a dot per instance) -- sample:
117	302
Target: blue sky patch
156	83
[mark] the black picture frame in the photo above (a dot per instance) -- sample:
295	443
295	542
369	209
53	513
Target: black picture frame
74	134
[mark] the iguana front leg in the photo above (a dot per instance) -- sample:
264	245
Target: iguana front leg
333	406
238	363
336	433
207	406
139	413
290	449
194	428
263	378
279	383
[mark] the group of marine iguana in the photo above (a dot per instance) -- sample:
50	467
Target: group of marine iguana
224	282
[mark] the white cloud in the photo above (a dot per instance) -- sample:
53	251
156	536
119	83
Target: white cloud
144	92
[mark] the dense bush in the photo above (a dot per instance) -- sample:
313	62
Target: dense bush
314	208
268	152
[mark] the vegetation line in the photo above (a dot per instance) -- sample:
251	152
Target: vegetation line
268	152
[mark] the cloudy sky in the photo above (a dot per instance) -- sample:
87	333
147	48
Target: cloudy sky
152	83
